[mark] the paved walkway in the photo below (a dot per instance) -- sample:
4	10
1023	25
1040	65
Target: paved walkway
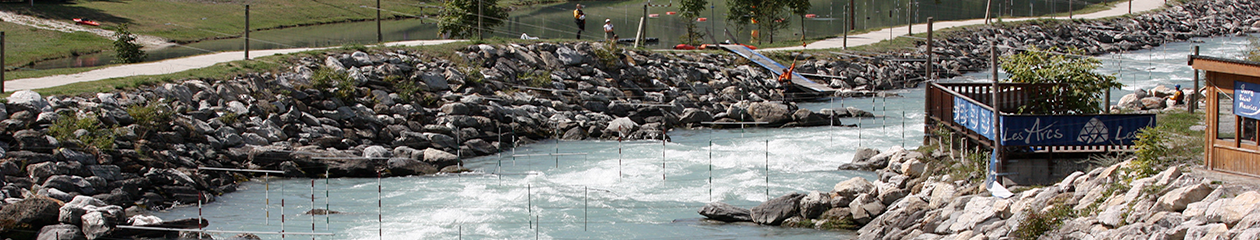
169	66
1120	8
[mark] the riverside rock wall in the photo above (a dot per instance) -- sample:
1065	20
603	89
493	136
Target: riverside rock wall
967	49
910	200
350	114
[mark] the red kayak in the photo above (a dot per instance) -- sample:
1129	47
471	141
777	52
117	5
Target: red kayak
684	47
86	22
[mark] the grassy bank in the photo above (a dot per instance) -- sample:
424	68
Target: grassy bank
25	45
193	20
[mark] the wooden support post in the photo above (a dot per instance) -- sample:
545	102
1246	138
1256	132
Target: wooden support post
997	112
247	32
928	64
379	38
2	67
1193	95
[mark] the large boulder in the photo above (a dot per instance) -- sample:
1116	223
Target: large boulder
73	211
407	166
60	232
771	112
1177	199
849	189
866	207
776	210
1230	211
439	158
807	118
100	222
721	211
814	204
376	152
27	100
622	126
694	116
34	211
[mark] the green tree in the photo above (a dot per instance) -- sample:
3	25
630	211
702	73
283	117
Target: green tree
458	18
690	11
767	15
1077	86
126	49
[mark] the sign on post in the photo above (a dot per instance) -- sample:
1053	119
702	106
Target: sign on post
1246	103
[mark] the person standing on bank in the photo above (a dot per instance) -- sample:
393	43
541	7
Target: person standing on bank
579	18
608	30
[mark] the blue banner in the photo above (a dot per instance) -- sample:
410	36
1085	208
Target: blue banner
1246	103
1076	130
973	116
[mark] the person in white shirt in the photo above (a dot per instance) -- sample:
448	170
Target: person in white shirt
608	30
528	37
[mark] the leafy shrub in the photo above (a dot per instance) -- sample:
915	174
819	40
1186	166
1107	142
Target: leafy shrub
1151	154
98	136
339	83
152	116
126	49
609	55
539	80
1038	223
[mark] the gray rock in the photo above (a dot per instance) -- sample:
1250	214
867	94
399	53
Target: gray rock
32	211
850	189
291	169
27	100
1177	199
866	207
771	112
855	112
694	116
100	222
375	151
455	108
621	127
776	210
64	154
569	57
68	183
1210	231
405	166
1230	211
435	81
41	171
814	204
440	158
60	232
725	212
72	212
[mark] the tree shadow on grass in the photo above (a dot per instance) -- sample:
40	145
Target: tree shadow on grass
64	11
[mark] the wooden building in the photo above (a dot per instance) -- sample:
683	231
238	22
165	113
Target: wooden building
1233	107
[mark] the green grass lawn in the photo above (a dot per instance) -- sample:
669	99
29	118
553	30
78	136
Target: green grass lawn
192	20
24	44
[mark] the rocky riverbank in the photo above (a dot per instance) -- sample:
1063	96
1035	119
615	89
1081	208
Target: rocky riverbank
967	49
914	199
352	114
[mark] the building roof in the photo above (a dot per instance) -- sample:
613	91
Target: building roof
1225	65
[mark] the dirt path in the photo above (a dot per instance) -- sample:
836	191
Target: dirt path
149	42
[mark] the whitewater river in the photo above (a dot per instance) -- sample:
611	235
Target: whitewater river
628	190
